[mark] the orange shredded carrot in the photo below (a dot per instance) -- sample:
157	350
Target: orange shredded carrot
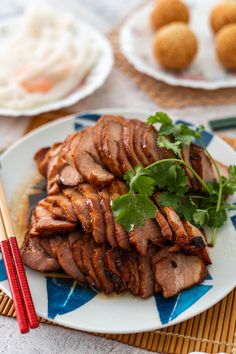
41	85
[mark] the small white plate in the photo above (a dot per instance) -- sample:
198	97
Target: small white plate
92	82
67	304
206	72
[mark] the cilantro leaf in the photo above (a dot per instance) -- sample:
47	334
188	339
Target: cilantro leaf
187	208
132	209
184	139
216	218
229	184
159	117
170	176
200	217
167	129
169	199
185	134
181	133
164	142
140	181
198	132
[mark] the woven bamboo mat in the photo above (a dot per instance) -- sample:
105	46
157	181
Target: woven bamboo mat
212	331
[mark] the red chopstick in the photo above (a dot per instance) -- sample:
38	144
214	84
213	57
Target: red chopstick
13	281
12	249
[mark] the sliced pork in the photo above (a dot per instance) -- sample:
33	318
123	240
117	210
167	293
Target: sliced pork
181	237
128	140
88	162
142	235
177	272
93	202
42	222
80	207
74	230
35	256
98	263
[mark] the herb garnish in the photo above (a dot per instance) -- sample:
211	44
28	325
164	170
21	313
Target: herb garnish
168	177
182	134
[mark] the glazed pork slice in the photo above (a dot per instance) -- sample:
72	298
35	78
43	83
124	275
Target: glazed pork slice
55	211
80	207
111	260
98	263
177	272
108	217
139	129
149	144
109	145
122	237
201	164
35	256
196	238
146	274
88	162
52	169
44	155
77	248
42	223
142	235
128	140
66	260
61	168
45	244
132	266
64	203
110	135
41	159
68	174
181	236
93	202
198	244
87	252
164	226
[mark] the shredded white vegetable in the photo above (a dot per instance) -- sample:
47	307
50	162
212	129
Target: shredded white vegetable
44	59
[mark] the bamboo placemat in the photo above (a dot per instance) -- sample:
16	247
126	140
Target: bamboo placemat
212	331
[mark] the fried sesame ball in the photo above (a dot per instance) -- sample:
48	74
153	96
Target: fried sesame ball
225	42
175	46
167	11
223	14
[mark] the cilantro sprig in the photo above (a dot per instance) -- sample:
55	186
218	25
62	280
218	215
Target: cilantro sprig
173	136
168	177
134	207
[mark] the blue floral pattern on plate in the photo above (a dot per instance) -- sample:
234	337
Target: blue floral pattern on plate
171	308
3	275
66	295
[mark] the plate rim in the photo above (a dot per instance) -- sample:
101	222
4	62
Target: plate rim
91	329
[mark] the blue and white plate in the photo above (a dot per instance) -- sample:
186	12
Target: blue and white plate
64	302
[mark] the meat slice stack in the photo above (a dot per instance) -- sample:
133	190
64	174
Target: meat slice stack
113	269
73	229
101	153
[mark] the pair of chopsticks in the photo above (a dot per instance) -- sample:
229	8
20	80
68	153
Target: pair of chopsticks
25	311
